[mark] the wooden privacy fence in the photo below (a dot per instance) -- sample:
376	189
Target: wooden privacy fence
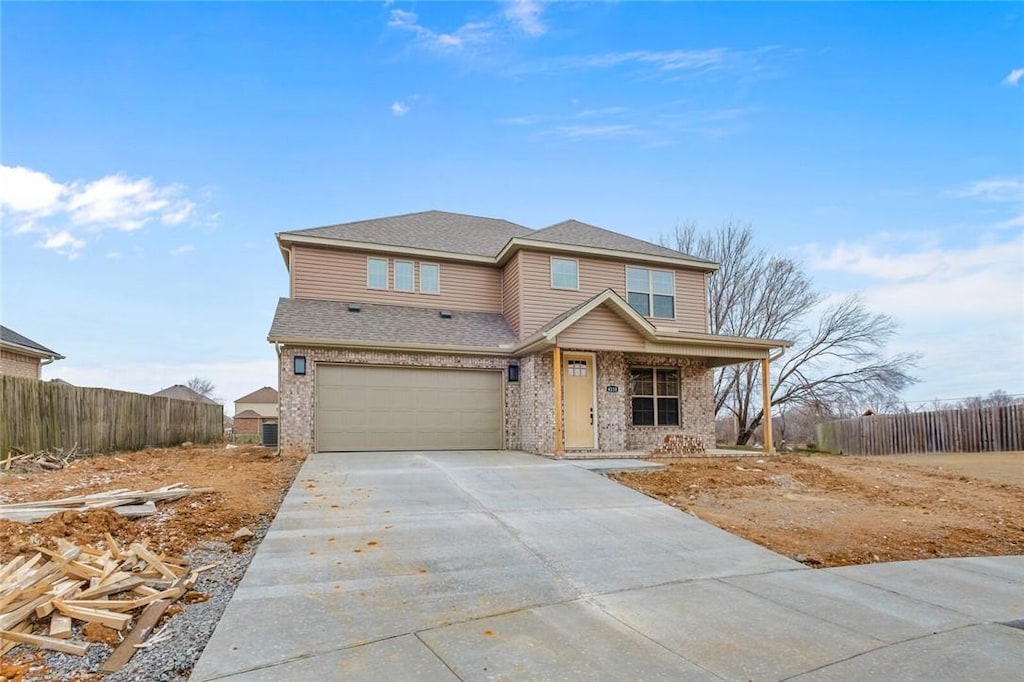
42	415
984	429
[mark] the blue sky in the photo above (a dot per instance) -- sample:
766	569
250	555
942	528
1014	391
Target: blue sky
151	151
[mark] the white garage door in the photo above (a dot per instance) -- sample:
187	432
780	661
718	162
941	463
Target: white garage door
401	408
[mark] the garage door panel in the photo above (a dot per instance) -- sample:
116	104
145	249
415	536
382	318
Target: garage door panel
389	408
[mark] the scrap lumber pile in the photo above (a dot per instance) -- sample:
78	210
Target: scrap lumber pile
20	461
43	596
680	445
126	502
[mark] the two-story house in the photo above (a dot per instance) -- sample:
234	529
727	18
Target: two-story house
437	330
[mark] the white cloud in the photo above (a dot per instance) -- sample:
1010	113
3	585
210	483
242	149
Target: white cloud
23	190
67	213
995	189
120	203
399	108
961	306
980	279
669	60
467	35
1014	77
113	255
182	250
526	16
611	130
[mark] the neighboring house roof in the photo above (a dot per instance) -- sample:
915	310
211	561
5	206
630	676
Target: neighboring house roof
331	322
248	414
487	239
14	341
433	230
266	394
575	233
179	392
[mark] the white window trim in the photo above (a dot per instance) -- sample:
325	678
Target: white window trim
551	273
655	396
412	266
369	259
650	290
419	266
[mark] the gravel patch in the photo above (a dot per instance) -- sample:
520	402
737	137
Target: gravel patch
170	660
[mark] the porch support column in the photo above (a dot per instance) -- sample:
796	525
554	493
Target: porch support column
556	369
766	404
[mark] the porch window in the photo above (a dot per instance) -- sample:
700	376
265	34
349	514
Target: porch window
652	293
655	396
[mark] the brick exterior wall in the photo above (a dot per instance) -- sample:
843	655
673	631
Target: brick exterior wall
18	365
528	404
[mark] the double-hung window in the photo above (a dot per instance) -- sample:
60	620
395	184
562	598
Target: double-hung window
377	273
404	277
565	273
430	278
652	293
655	396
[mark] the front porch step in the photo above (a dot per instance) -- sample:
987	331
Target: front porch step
591	454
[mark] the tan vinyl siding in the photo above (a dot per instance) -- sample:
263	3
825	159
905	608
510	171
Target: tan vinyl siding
511	292
691	302
602	329
335	275
541	303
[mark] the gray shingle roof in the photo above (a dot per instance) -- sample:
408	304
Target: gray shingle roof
179	392
434	230
267	394
298	318
11	336
575	233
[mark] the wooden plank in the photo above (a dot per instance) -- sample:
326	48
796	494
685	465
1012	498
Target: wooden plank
8	644
60	627
111	588
117	621
76	648
153	561
126	649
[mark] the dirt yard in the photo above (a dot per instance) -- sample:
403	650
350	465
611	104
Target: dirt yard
249	483
836	511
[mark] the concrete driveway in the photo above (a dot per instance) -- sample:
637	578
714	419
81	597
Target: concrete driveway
503	565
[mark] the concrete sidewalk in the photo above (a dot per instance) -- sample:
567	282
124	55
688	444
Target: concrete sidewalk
502	565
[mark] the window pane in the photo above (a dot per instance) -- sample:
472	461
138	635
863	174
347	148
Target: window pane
377	273
668	382
664	306
668	411
403	276
664	282
643	411
564	273
640	303
429	280
641	381
638	279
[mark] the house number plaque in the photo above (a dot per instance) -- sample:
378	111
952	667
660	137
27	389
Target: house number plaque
612	389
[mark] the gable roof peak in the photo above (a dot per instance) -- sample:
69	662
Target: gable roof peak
578	233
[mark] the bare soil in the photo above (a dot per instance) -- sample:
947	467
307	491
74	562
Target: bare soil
836	511
249	482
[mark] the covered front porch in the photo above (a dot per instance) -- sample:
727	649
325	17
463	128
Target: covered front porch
616	386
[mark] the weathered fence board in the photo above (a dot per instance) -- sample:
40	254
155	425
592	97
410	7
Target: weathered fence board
42	415
983	429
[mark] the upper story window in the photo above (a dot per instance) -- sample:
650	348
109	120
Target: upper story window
565	273
377	273
430	278
404	277
652	293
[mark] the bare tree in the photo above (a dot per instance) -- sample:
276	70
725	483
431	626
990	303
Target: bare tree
835	364
203	387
